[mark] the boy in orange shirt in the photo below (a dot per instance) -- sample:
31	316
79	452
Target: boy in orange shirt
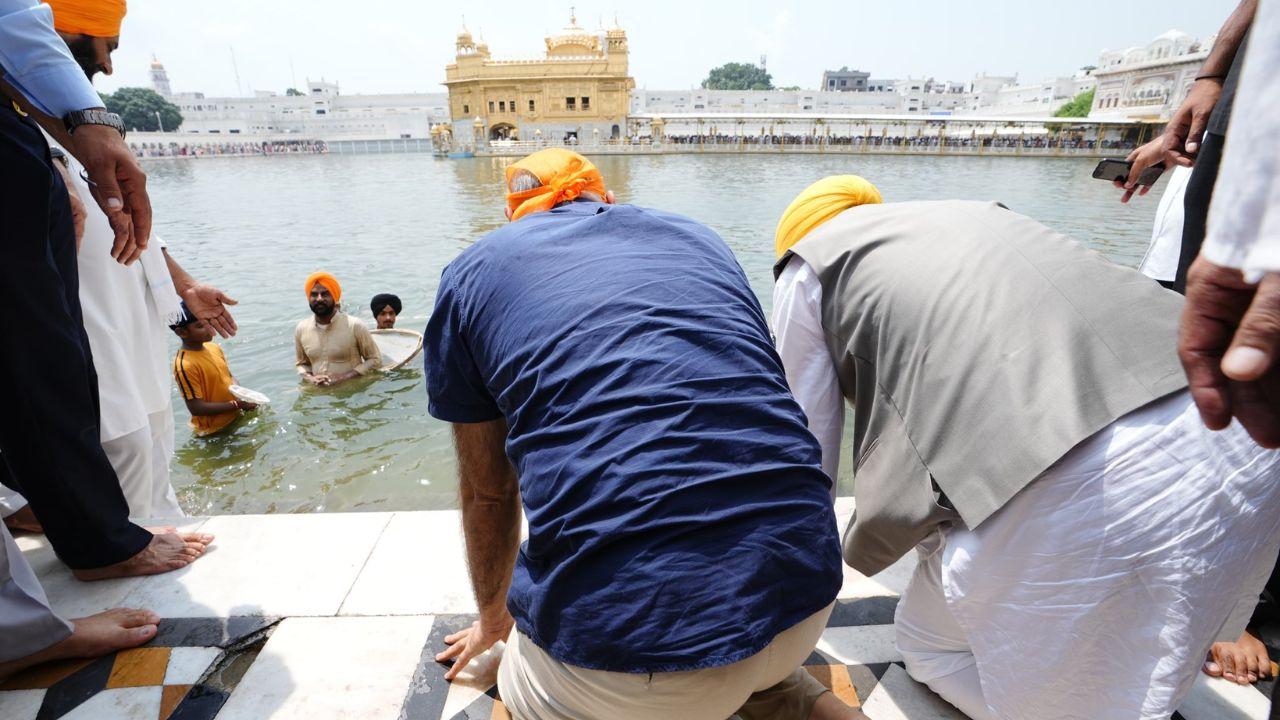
204	378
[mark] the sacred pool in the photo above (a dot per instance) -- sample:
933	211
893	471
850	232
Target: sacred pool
256	226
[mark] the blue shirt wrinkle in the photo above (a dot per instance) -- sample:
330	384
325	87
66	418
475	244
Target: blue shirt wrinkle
678	515
37	62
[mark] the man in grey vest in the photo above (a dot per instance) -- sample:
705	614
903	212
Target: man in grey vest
1021	418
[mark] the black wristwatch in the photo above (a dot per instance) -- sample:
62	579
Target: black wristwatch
77	118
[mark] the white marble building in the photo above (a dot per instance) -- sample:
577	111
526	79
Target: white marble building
323	112
1004	96
1148	83
924	96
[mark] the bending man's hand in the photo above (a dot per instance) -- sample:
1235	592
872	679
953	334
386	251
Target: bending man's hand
469	644
119	186
210	305
1228	342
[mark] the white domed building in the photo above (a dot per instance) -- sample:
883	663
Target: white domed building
1147	83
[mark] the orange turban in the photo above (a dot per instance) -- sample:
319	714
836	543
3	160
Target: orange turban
564	175
328	281
98	18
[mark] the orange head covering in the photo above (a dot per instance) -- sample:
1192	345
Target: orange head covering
98	18
326	280
564	175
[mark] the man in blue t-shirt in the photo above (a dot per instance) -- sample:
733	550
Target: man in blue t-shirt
608	366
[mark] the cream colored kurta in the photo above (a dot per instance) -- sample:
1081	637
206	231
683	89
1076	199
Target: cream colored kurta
343	345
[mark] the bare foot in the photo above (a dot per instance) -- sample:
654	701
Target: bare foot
168	551
830	707
1243	662
92	637
24	520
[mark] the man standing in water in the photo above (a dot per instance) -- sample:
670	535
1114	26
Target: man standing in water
608	368
331	346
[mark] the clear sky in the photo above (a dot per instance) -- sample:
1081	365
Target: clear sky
403	45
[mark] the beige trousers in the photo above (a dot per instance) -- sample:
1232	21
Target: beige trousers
769	684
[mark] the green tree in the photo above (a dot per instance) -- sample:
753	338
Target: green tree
738	76
293	92
1079	105
138	107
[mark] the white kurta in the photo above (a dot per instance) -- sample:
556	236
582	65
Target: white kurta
128	336
124	311
1098	589
1161	260
1244	219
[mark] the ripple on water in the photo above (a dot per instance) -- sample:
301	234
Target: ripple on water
389	223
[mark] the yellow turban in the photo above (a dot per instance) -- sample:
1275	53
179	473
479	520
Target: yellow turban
564	175
97	18
326	280
819	203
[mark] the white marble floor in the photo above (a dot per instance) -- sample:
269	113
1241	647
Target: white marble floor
359	594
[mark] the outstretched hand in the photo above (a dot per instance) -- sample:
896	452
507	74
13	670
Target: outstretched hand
209	304
1229	344
468	644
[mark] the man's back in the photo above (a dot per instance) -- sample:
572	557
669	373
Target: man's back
677	514
978	347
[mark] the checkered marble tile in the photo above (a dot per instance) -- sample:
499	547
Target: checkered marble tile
855	659
186	673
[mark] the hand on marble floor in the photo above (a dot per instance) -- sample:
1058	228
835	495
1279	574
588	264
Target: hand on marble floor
468	644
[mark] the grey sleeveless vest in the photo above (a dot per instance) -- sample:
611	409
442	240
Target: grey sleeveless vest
977	347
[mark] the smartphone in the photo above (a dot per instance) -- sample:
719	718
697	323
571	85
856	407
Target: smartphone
1117	169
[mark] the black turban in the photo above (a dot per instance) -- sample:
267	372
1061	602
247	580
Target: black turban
382	300
187	318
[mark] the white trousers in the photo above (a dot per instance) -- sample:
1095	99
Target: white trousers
1096	592
536	686
141	462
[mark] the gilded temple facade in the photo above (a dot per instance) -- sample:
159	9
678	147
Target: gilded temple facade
579	89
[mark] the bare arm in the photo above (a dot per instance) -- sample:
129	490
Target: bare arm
1181	137
204	408
1229	39
204	301
490	497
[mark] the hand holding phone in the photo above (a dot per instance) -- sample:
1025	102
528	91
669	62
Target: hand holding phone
1115	169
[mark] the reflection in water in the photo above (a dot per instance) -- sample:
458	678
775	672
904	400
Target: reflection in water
390	223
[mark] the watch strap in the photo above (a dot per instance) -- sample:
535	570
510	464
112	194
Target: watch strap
79	118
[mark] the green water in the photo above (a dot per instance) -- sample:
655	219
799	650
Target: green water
389	223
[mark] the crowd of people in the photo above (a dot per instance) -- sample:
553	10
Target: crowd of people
1033	141
265	147
1085	462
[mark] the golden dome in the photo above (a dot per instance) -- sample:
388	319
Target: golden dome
573	41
